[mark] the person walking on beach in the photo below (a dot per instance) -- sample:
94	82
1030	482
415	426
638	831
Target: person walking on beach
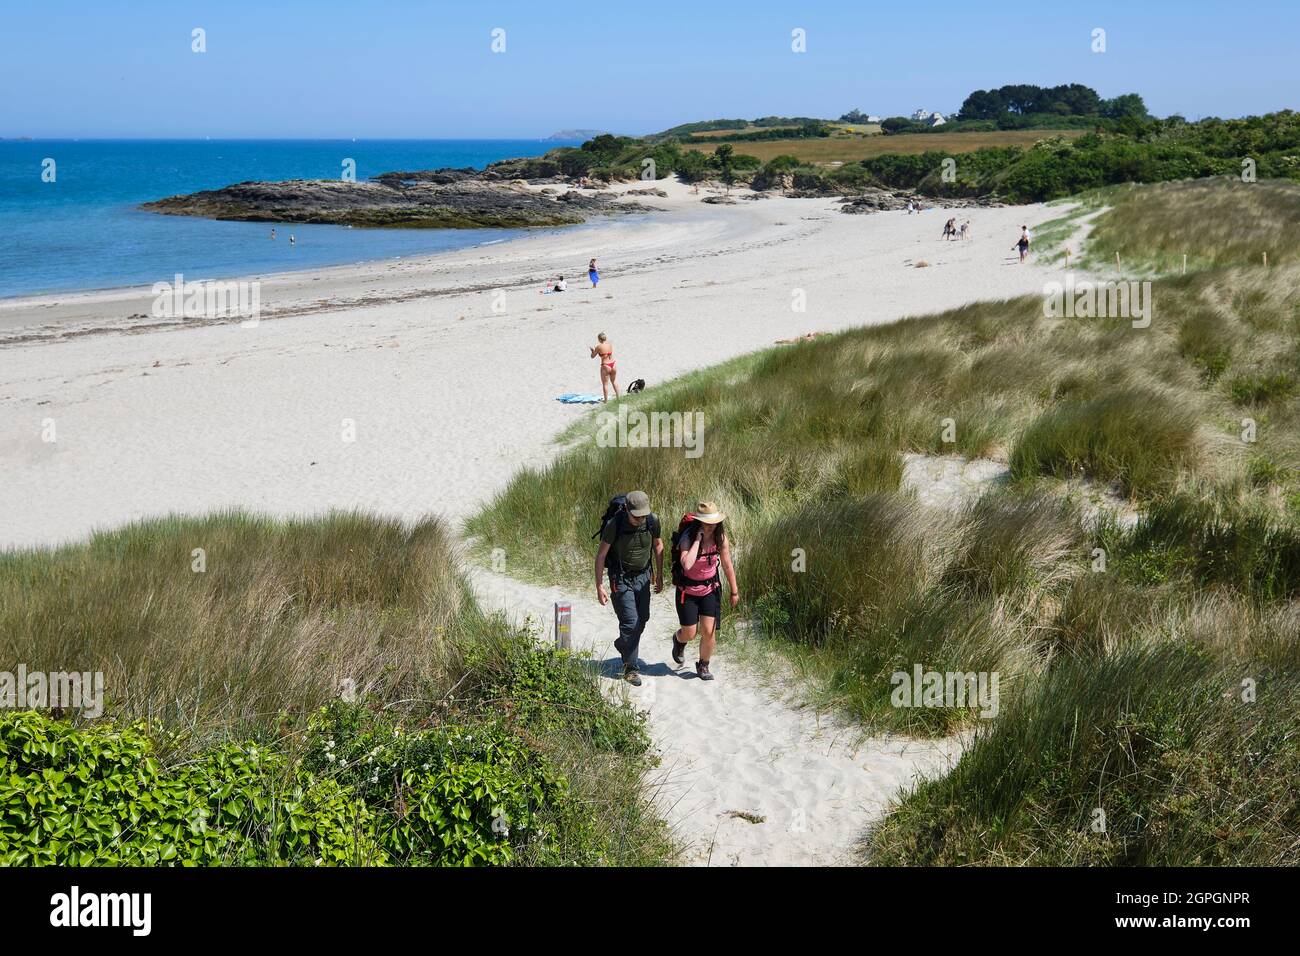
592	274
629	545
608	368
700	548
950	228
1023	243
965	229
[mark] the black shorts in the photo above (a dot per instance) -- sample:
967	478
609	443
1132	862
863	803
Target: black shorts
691	608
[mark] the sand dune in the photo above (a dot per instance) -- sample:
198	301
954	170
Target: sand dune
447	398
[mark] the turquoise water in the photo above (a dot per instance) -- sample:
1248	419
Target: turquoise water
83	231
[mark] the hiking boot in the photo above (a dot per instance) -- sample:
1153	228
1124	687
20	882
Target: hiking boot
679	651
702	669
631	676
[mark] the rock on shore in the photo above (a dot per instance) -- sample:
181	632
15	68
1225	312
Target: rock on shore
430	199
878	200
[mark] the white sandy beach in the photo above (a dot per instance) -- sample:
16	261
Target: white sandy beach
448	398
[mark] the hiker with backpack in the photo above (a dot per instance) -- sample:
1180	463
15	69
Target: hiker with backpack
629	543
700	549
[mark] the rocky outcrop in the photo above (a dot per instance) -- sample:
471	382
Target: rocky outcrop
429	199
878	200
439	176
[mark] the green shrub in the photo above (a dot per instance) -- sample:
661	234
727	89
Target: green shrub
468	792
782	164
230	665
547	691
99	796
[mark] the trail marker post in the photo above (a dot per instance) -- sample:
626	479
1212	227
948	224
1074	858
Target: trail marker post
563	626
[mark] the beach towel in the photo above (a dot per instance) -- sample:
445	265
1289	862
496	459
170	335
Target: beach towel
578	398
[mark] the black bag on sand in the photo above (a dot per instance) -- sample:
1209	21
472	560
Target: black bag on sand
636	386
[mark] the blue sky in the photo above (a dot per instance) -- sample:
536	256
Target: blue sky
424	68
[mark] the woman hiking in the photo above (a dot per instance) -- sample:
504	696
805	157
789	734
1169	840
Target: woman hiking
700	549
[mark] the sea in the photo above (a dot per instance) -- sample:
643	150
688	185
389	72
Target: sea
70	217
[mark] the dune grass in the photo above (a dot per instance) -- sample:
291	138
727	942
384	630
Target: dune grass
1214	222
236	630
1121	650
1147	755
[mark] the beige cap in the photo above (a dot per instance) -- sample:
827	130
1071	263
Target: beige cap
638	504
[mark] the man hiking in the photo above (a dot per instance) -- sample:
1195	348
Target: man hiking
629	539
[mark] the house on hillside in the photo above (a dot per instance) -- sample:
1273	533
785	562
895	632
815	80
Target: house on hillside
930	119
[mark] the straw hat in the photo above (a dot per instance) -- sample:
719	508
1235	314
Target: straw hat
708	513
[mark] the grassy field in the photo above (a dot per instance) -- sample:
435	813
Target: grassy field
713	133
347	652
1150	671
856	129
821	152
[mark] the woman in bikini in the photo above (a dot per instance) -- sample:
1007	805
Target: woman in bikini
603	349
702	551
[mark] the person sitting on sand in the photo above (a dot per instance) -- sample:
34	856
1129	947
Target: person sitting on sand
700	549
629	541
1023	243
592	274
607	366
806	337
560	285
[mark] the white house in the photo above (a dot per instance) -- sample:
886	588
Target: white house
931	119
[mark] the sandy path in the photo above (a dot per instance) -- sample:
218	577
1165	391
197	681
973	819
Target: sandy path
806	783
